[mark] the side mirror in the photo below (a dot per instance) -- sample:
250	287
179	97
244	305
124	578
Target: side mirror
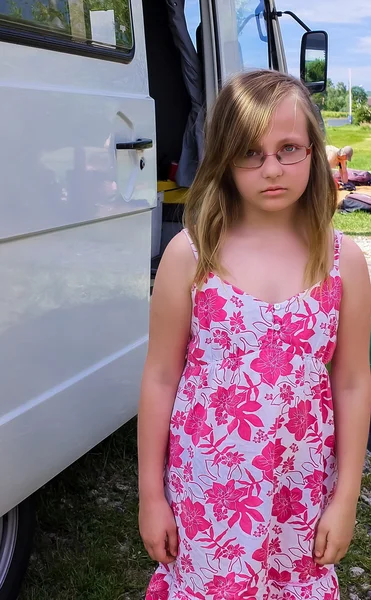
313	60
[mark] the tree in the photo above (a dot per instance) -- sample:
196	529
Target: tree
362	115
359	96
321	98
341	88
315	70
336	97
74	18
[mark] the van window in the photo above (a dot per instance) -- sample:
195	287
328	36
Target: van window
101	23
252	34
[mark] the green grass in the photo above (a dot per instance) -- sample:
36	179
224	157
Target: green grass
357	223
87	545
332	114
357	137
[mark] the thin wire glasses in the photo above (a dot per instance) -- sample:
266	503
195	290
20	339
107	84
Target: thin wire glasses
289	154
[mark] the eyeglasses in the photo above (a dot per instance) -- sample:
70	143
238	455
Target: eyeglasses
287	155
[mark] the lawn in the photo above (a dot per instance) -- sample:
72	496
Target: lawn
87	545
357	223
360	139
357	137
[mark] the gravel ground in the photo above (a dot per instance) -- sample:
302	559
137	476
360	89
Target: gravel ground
365	244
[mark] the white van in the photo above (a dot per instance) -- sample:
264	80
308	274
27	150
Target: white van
99	99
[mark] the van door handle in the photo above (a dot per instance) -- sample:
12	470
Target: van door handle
140	144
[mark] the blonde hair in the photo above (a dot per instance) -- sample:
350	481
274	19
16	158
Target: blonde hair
241	116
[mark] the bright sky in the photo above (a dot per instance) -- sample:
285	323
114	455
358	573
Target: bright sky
347	22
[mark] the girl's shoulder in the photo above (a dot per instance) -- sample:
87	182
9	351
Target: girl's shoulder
182	248
179	260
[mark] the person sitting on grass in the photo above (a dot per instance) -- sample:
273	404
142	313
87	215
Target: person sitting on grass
338	158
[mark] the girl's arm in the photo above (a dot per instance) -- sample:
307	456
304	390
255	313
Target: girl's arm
351	387
170	318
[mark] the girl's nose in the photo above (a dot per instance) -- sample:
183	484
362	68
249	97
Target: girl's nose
271	168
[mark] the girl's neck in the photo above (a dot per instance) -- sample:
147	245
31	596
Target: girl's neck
287	220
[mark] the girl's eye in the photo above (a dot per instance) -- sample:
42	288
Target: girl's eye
290	148
251	153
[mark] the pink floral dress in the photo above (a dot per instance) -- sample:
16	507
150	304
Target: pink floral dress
251	463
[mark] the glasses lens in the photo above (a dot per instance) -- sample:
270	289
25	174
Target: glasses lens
249	161
289	155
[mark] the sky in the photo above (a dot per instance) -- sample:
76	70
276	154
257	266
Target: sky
347	22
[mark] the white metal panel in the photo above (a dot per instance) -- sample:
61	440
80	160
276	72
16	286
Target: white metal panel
34	67
75	222
73	336
61	116
56	167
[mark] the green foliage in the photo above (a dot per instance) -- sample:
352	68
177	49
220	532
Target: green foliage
65	20
362	115
336	98
50	17
122	18
315	70
14	11
359	96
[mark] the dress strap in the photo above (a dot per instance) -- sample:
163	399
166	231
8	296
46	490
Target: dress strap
194	250
338	238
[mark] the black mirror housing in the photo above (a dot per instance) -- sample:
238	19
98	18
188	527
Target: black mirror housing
313	60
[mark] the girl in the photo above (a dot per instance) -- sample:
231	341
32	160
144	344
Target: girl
259	496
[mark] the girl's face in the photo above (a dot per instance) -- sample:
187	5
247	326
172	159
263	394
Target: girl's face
288	129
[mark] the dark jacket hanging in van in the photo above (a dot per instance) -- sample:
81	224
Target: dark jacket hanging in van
192	73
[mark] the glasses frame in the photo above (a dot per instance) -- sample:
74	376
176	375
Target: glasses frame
264	156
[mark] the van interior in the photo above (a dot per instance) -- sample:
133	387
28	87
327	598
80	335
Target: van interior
173	105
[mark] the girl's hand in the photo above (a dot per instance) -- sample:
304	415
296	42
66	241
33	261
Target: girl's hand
158	530
334	532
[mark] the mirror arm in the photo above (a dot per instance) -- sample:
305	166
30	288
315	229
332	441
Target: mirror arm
279	13
245	22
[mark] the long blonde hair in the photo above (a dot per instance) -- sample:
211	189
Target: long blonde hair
241	116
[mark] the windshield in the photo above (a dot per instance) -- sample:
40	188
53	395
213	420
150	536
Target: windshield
252	34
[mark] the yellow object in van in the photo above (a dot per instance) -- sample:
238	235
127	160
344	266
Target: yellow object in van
173	194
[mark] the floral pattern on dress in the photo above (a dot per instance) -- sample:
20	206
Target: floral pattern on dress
251	463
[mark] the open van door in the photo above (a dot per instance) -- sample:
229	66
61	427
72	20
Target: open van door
248	36
78	182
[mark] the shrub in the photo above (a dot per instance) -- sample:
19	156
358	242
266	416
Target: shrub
362	115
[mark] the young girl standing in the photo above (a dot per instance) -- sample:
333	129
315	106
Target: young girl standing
263	450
